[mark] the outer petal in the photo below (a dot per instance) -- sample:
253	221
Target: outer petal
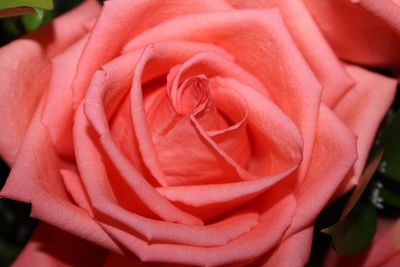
35	178
323	61
363	109
316	50
51	247
57	111
361	31
278	205
292	252
133	18
25	72
334	153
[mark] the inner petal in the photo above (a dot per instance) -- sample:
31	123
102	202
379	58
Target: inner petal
193	95
195	146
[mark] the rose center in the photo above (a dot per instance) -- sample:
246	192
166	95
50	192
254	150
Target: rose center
193	95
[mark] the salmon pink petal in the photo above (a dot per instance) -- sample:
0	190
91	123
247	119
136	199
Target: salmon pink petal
91	160
279	143
334	154
57	112
26	70
334	79
243	4
35	179
74	186
201	161
363	32
51	247
279	205
109	212
363	109
98	51
211	201
298	246
316	50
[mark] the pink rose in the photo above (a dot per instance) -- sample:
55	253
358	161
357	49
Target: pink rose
186	132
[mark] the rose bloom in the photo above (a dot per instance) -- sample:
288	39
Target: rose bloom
190	132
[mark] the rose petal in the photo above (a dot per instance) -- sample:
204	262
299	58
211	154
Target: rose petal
103	200
363	109
118	72
334	154
57	112
128	14
26	71
334	80
51	247
90	163
363	32
278	141
243	4
278	205
210	201
74	186
274	134
298	246
35	179
316	50
151	55
201	161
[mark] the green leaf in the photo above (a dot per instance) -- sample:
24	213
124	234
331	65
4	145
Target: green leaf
390	165
9	8
43	4
34	20
354	234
